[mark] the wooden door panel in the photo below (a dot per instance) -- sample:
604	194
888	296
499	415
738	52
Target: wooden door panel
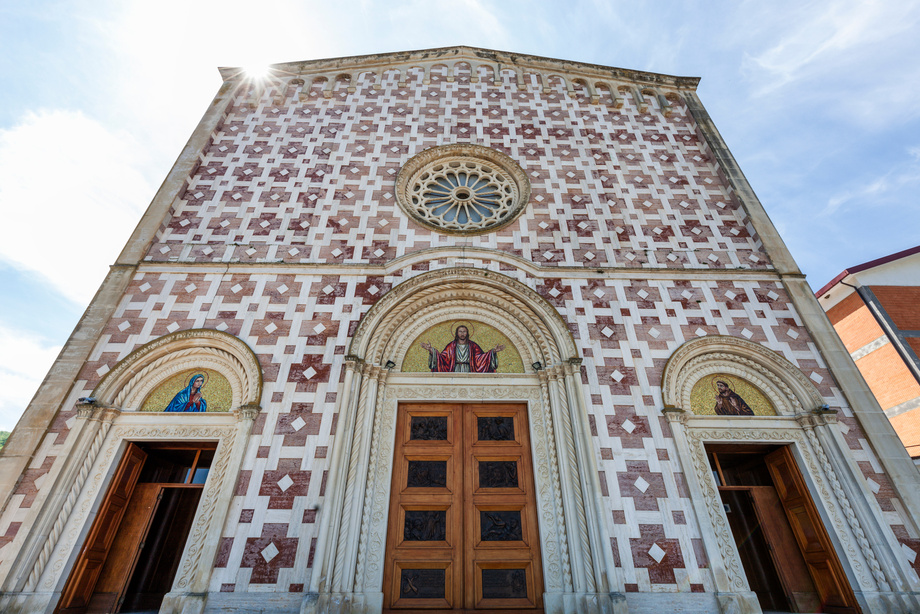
784	550
427	525
501	526
504	584
82	581
423	585
502	550
460	542
813	541
127	545
421	573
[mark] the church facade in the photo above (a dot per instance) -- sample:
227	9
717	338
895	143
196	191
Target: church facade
456	329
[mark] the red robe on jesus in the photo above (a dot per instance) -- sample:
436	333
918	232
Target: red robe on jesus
455	360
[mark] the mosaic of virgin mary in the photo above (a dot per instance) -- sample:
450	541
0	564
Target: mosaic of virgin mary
462	355
190	398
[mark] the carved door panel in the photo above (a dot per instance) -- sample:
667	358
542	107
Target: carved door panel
820	559
463	532
125	549
79	587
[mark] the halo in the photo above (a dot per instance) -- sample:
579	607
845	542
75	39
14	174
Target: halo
457	324
725	378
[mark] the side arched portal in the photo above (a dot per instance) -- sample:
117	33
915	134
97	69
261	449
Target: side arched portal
106	426
808	432
577	567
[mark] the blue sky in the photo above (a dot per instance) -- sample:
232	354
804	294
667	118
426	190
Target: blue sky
817	101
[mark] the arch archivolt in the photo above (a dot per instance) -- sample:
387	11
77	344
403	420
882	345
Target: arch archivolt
350	555
520	309
783	383
133	378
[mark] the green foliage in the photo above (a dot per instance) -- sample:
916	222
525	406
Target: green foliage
3	436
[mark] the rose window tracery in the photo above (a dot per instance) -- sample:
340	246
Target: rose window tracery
462	189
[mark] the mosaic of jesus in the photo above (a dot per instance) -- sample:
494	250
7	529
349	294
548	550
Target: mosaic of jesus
462	355
462	346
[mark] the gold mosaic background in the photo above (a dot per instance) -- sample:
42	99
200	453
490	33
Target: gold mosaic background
216	391
703	395
439	335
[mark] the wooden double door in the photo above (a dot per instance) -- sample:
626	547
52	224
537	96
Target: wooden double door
132	551
785	550
463	524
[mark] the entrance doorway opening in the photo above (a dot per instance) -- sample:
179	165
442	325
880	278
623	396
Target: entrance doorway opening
132	551
785	550
463	533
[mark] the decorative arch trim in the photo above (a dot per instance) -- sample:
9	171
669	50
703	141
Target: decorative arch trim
136	375
840	493
786	386
543	334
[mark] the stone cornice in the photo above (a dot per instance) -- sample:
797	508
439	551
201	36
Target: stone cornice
475	55
464	256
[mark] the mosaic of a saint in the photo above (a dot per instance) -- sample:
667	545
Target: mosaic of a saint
462	355
190	398
729	402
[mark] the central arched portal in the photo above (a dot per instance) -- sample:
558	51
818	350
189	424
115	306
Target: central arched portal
377	459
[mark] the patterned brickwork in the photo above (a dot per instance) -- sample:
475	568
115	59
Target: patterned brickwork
313	181
286	235
299	327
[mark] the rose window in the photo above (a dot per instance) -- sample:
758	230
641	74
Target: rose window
462	189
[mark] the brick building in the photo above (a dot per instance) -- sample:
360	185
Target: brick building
874	308
456	329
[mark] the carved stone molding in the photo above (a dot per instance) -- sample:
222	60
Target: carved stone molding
522	309
783	383
350	552
698	432
602	84
800	423
50	577
134	377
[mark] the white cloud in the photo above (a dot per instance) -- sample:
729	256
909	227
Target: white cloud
24	361
892	187
819	34
852	55
70	194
